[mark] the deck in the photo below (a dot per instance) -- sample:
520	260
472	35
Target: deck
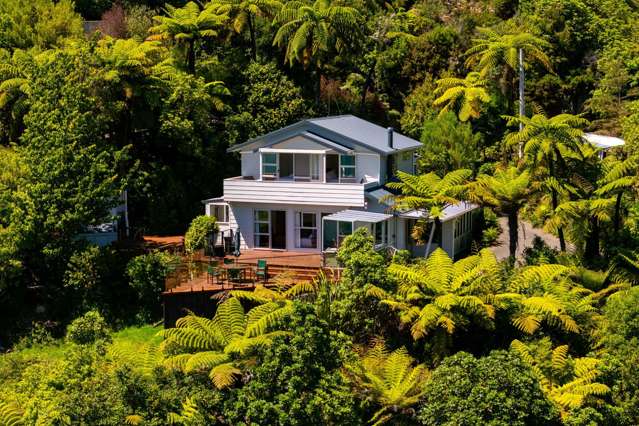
298	266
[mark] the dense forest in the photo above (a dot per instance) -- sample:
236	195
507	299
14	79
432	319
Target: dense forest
98	97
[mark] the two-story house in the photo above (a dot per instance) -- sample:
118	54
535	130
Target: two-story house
307	186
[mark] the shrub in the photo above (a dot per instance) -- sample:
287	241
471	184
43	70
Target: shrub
497	389
146	276
540	253
354	312
298	379
198	232
89	328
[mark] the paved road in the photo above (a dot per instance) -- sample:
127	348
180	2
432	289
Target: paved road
526	235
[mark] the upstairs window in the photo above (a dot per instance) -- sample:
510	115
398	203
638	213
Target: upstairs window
269	165
347	168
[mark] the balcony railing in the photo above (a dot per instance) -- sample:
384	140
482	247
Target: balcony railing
239	189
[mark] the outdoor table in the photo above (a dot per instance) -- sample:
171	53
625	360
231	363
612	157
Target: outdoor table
242	268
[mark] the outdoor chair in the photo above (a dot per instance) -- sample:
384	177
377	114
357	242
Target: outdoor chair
261	271
213	272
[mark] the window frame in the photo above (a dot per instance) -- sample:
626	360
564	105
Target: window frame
227	212
343	167
256	233
275	164
299	226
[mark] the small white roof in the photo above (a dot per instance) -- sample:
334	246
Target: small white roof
449	212
603	142
382	196
213	200
358	216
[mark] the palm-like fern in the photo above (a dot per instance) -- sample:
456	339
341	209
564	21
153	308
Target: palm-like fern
189	415
544	294
547	142
569	382
141	357
221	344
310	30
464	96
390	379
507	191
619	177
10	415
493	50
128	59
429	194
441	295
187	25
243	13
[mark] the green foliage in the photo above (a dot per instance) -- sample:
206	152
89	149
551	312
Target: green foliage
352	309
187	27
506	191
37	23
199	232
464	96
268	101
571	383
539	253
221	346
448	145
87	329
389	379
438	296
298	379
147	275
496	389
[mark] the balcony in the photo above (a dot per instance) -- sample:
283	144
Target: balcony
239	189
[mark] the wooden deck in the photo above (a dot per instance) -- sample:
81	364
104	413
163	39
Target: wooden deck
297	266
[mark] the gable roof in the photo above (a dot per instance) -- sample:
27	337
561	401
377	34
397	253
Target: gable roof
345	130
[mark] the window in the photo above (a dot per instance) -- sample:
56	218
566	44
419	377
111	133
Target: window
315	167
347	168
344	229
335	232
306	224
220	212
269	165
262	228
380	232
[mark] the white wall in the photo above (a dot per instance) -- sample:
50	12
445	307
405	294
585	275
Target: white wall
242	217
298	142
251	164
366	164
289	192
404	161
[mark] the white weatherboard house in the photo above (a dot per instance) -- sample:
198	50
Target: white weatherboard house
307	186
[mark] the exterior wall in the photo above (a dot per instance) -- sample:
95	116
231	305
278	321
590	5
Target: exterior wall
448	236
404	161
367	165
298	193
251	164
241	217
298	142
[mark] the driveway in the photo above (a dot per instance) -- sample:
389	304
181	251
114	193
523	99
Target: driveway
526	235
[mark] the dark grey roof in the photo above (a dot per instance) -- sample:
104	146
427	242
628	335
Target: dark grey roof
365	133
345	130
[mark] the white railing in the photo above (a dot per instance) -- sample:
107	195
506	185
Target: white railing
239	189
